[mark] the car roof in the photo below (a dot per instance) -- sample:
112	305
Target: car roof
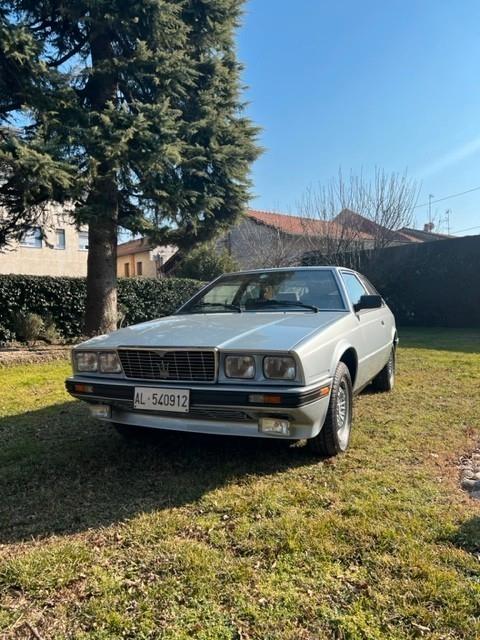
280	269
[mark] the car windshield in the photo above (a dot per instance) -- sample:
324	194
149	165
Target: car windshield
296	290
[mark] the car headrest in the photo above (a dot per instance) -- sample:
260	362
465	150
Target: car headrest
288	296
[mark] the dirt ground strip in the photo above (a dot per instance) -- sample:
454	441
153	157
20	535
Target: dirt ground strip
34	355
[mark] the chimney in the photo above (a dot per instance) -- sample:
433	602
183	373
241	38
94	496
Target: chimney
428	227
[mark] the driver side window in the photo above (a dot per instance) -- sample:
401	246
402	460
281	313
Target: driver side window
355	288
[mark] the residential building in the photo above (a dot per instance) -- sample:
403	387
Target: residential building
56	248
140	257
386	237
427	234
269	239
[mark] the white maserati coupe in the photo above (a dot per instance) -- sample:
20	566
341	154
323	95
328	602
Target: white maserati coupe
277	353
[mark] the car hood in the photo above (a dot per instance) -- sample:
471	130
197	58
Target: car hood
247	331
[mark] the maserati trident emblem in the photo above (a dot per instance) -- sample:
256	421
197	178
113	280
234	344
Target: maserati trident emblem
163	369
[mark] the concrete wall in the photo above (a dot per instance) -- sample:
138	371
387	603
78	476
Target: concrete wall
47	260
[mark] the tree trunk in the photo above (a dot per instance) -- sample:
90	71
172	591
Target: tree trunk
101	306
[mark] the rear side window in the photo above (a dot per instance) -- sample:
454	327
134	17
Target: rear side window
369	286
355	288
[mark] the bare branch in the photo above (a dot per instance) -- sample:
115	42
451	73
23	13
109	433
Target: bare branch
261	246
358	214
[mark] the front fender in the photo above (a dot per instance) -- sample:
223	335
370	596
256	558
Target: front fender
341	347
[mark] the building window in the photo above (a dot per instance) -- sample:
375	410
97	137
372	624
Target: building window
32	238
83	240
59	238
139	269
126	269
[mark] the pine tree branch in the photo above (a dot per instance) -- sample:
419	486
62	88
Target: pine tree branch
40	24
68	55
12	106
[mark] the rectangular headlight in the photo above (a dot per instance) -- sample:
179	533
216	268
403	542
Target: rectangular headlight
85	361
279	367
240	367
109	362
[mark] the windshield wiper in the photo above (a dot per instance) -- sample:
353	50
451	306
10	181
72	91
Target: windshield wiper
285	303
224	305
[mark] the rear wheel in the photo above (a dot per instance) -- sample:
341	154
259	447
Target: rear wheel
385	380
334	436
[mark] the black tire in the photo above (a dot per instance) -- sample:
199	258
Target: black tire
385	380
334	436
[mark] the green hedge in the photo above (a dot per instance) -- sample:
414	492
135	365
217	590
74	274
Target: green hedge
64	300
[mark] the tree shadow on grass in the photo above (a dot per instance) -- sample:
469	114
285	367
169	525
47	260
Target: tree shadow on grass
61	471
467	536
440	339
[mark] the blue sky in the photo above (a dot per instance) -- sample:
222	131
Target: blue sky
365	83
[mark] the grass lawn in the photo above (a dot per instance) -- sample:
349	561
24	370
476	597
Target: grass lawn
222	538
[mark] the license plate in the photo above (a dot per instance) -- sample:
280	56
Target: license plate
155	399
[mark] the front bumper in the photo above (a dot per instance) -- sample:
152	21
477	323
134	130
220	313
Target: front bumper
214	409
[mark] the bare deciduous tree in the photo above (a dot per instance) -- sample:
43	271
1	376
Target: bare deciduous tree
358	214
267	247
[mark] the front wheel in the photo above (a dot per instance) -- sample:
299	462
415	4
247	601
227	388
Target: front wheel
334	436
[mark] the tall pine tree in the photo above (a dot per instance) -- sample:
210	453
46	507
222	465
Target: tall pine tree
128	111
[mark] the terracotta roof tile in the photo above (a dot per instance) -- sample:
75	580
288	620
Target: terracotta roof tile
297	225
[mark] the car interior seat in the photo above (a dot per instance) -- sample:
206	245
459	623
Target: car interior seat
323	294
288	296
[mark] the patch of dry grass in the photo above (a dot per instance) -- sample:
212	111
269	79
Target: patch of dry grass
222	538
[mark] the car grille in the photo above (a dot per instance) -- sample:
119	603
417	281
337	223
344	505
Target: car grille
219	414
160	364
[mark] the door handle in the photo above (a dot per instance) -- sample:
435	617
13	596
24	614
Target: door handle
383	322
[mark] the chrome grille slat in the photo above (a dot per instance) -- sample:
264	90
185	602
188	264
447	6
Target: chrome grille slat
168	364
176	365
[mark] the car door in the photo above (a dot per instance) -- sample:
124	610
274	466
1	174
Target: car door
373	328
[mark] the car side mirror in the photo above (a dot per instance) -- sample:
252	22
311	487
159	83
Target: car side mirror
368	302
